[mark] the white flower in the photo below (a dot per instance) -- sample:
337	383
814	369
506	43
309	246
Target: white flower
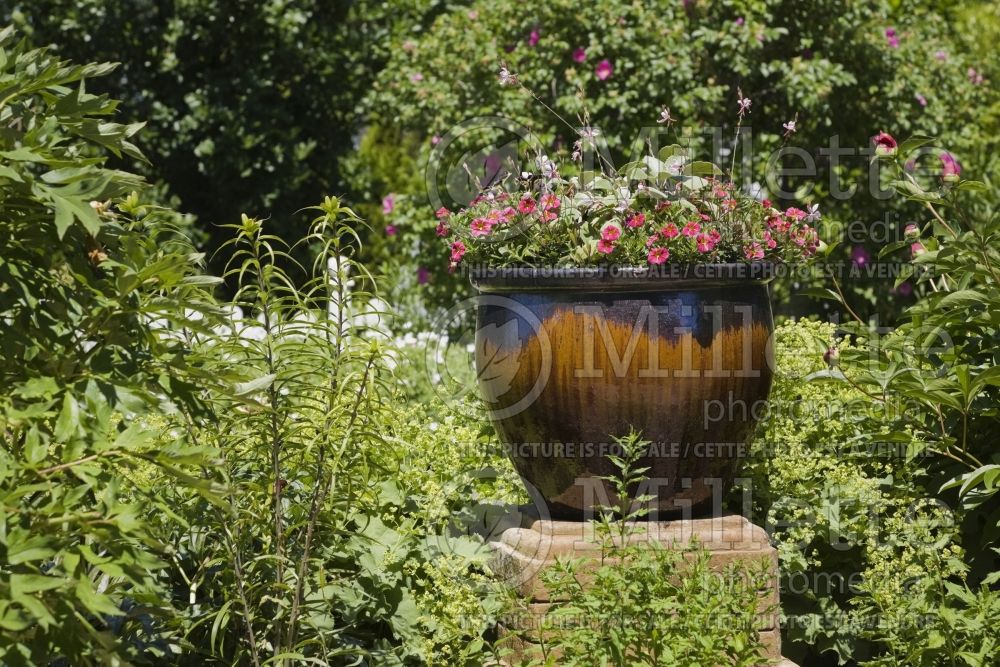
789	126
546	166
813	213
665	116
507	78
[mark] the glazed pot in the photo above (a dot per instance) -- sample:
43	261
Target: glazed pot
569	359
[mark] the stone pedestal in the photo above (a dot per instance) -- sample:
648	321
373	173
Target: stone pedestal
522	552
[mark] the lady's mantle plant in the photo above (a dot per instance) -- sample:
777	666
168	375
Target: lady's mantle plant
662	208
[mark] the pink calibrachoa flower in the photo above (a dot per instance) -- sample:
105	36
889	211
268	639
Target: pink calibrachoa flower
795	214
715	236
390	230
603	70
705	243
658	255
605	247
691	229
950	168
769	240
526	205
670	231
635	220
579	54
388	204
550	202
442	229
481	227
507	214
549	216
753	251
534	37
611	232
884	144
652	240
458	250
442	213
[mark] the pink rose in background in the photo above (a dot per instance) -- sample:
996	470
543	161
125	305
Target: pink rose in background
579	54
950	168
884	144
603	70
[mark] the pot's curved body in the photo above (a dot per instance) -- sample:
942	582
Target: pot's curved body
565	363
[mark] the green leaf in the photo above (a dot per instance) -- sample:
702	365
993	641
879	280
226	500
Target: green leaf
69	418
253	386
962	298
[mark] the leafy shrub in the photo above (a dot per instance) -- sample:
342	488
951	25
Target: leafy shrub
872	567
88	293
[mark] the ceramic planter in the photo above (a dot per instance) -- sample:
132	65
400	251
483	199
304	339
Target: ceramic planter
567	359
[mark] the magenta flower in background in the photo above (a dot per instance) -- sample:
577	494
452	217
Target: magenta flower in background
473	15
921	100
739	21
904	289
390	230
423	275
890	36
435	140
890	32
579	54
388	204
658	256
941	55
603	70
416	77
860	256
534	37
975	76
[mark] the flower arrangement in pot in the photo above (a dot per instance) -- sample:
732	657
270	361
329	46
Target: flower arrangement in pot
633	299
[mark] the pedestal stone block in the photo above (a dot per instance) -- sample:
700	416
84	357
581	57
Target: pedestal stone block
522	552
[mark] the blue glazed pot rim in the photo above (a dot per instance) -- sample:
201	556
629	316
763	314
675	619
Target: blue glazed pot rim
616	278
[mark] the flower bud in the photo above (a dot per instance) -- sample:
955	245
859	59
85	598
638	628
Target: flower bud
831	357
912	232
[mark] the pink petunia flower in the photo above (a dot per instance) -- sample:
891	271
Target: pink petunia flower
603	70
691	229
611	232
658	255
549	216
442	213
635	220
795	214
715	236
481	227
579	54
457	251
526	205
769	240
550	202
605	247
442	229
670	231
651	241
753	251
704	242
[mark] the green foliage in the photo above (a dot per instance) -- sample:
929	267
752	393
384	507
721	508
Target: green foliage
251	106
872	569
648	603
93	296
